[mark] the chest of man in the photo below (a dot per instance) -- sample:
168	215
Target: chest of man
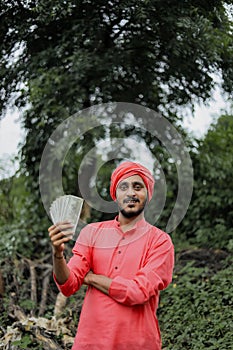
122	255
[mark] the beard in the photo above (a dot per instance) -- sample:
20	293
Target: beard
133	213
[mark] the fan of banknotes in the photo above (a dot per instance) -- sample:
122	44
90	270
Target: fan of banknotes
66	208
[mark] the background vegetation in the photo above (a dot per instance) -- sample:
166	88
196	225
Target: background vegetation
58	57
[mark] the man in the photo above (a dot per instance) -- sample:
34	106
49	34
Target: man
125	262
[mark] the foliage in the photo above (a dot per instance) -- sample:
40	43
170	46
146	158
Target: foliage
196	310
58	57
209	219
12	191
17	230
23	343
119	50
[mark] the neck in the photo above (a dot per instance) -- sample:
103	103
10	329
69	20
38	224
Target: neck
127	223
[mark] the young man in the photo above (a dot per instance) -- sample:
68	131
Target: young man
125	262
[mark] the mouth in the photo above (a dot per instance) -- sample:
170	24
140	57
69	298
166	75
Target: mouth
131	201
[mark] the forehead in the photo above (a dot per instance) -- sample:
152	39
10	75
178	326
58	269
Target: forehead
132	179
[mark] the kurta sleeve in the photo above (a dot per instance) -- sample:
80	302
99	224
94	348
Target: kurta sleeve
79	264
155	275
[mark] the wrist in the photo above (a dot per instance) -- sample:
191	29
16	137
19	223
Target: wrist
59	256
89	278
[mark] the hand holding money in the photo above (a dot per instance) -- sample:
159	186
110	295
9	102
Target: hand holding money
60	234
65	212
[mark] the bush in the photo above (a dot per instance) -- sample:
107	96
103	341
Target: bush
196	309
208	222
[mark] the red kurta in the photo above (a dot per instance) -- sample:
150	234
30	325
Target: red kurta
140	262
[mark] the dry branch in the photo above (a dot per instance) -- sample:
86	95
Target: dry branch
44	294
40	330
60	304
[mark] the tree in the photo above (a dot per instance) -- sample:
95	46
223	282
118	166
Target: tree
209	219
57	57
61	56
150	52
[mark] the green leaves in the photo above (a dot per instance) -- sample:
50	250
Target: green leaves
210	216
196	310
24	342
153	43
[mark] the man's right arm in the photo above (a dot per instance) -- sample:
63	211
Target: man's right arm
68	276
59	235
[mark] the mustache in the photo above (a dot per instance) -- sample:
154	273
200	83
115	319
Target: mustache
131	199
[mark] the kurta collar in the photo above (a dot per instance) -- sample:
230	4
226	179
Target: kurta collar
138	224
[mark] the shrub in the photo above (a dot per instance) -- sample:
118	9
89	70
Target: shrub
196	310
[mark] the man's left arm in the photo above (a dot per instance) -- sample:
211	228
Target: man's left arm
100	282
154	276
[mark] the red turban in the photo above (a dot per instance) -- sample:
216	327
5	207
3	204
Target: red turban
128	169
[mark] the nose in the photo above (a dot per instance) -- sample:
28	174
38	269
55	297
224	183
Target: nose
131	191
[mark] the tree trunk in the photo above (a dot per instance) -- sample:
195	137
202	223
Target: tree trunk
60	304
2	286
44	295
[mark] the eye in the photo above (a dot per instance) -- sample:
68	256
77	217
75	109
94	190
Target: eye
137	187
123	187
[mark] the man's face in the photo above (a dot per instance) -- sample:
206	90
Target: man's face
131	195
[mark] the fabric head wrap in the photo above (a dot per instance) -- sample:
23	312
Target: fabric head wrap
128	169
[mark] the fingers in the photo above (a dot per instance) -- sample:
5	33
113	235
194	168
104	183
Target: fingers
64	225
60	233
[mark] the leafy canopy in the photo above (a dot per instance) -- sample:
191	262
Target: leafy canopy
72	54
57	57
209	219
